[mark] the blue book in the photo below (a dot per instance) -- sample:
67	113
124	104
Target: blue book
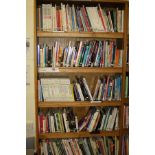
85	55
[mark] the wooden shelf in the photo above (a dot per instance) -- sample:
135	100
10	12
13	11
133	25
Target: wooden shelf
81	70
125	100
77	104
84	1
81	34
125	131
78	134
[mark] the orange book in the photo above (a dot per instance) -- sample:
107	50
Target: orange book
117	55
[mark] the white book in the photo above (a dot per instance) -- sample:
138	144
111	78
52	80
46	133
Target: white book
80	91
96	89
121	57
109	121
43	17
55	148
94	19
54	19
51	146
107	25
114	114
50	81
49	17
122	20
100	92
52	123
116	122
93	145
119	23
75	21
93	120
69	54
69	147
76	122
73	55
66	122
64	24
45	148
102	122
88	90
78	55
41	148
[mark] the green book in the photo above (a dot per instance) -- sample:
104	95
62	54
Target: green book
126	86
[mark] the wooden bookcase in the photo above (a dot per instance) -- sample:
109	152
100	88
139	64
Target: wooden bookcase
89	71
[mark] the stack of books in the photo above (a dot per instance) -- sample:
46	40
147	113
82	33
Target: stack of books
67	18
58	120
100	119
108	88
95	53
64	120
82	146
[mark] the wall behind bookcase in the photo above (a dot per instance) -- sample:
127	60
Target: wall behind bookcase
30	102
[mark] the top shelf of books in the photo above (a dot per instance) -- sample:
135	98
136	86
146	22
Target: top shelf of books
81	34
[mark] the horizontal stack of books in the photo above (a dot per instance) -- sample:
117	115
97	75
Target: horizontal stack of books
82	146
67	18
102	53
107	88
64	120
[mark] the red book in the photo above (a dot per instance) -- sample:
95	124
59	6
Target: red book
85	18
117	55
100	15
58	19
41	117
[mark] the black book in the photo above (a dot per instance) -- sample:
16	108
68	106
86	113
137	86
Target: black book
49	58
76	93
84	90
71	119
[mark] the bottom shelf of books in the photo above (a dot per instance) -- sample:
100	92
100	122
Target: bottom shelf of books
81	146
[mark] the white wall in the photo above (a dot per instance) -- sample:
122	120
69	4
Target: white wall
30	104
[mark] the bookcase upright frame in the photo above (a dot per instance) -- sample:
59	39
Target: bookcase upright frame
122	71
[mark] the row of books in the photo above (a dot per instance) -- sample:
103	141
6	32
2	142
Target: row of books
68	18
81	146
102	53
126	116
125	145
64	120
127	86
61	89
